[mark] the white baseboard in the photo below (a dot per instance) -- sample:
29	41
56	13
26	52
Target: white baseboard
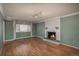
70	46
61	43
48	40
9	40
17	38
40	37
51	41
23	37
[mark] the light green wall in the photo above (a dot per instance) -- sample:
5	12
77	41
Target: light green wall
34	29
8	30
1	30
23	34
70	30
40	29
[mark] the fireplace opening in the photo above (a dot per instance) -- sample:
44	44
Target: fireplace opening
51	35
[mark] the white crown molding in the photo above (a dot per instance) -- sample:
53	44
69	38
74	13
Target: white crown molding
70	14
1	10
48	19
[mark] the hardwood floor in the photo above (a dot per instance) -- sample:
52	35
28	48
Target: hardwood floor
36	47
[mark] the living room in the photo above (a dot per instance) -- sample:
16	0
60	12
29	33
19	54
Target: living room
28	28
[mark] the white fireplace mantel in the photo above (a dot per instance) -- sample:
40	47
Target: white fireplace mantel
51	25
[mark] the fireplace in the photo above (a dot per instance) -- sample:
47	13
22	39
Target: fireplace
51	35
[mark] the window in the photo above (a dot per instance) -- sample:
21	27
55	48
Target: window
23	28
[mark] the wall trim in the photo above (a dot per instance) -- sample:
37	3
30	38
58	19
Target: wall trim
58	43
69	46
14	30
22	37
1	11
47	41
51	41
9	40
40	37
3	31
31	30
71	14
48	19
17	38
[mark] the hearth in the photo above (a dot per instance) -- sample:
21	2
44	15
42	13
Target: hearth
51	35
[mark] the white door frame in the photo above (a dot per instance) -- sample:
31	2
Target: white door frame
14	30
3	31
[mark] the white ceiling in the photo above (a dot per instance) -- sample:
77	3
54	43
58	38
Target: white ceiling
35	12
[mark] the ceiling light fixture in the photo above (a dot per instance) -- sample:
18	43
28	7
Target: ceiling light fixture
37	15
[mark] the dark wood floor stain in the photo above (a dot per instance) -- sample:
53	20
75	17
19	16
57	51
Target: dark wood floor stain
36	47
